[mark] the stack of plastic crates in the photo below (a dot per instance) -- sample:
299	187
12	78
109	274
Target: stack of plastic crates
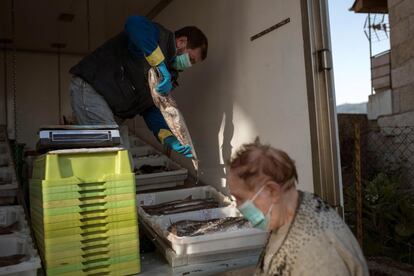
83	212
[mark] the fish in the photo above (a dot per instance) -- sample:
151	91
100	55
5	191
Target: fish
9	229
172	115
148	169
11	260
193	228
179	206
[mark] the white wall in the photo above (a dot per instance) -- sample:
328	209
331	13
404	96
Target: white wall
244	88
37	92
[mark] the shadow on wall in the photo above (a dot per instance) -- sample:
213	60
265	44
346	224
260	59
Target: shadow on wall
206	91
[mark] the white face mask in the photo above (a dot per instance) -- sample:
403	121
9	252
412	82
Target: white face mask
254	214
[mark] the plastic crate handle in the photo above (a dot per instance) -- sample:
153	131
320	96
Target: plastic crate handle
95	229
92	264
102	192
98	213
102	244
85	186
96	236
85	208
95	257
94	201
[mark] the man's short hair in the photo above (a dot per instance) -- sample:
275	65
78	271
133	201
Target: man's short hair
255	159
195	39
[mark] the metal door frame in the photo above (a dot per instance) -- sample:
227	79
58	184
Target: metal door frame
321	100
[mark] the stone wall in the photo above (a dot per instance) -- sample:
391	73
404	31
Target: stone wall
401	16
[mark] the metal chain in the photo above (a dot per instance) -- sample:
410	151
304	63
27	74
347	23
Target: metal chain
14	84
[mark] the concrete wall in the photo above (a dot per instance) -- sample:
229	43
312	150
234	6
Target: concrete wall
244	88
379	104
401	16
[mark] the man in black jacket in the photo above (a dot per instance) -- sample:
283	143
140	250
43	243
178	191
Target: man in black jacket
111	83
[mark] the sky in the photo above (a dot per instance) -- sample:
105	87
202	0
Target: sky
350	52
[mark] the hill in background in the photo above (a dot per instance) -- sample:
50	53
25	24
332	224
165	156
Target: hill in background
357	108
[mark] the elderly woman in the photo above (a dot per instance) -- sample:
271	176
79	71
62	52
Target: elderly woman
306	236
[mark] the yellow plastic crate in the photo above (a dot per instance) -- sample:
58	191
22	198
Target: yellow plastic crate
86	243
79	191
87	167
81	202
120	269
82	208
81	216
53	241
84	230
104	266
82	222
84	216
130	249
70	250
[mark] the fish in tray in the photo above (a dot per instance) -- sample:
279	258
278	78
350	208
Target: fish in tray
180	206
9	229
192	228
148	169
171	114
12	260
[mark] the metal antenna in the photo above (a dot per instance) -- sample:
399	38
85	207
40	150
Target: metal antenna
376	29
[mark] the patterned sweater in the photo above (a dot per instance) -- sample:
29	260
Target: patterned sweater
316	242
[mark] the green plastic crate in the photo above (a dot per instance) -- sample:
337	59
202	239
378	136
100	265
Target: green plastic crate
130	249
83	222
120	269
77	249
87	167
111	188
84	215
52	241
81	202
73	185
84	230
93	267
80	216
82	208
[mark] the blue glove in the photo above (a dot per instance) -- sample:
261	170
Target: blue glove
173	143
165	86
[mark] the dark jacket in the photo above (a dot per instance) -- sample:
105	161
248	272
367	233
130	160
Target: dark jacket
120	76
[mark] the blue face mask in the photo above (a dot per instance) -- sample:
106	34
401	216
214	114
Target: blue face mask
253	214
182	62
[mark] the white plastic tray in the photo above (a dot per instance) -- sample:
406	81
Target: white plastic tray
19	244
236	240
202	192
13	214
174	177
203	263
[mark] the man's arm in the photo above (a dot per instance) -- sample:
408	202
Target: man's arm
144	36
156	123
